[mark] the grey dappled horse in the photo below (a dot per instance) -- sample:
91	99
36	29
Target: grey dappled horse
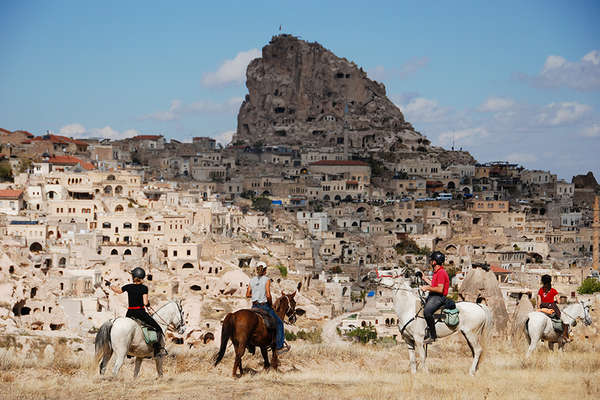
124	336
539	325
475	319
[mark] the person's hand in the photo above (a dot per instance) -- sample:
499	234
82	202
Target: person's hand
424	288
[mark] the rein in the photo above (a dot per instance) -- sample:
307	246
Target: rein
167	325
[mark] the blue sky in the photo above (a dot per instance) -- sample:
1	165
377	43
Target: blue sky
516	81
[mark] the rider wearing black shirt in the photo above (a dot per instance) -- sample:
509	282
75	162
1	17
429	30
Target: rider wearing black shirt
137	294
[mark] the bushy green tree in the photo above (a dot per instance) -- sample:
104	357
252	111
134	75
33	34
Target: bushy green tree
363	334
262	204
589	286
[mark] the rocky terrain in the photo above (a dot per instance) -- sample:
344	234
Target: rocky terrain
301	93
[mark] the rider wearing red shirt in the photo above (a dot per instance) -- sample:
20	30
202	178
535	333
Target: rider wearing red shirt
546	299
438	289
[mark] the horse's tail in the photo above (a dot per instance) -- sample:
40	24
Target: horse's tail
486	328
102	341
226	333
526	329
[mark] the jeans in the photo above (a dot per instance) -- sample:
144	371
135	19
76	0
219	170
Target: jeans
434	302
279	337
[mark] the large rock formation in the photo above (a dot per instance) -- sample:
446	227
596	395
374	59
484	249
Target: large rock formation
302	94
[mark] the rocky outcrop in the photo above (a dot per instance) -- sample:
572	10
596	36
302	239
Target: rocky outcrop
586	181
302	94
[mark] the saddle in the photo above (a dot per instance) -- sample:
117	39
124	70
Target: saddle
270	322
150	334
557	323
449	316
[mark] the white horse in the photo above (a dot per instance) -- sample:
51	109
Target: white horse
474	320
124	336
539	325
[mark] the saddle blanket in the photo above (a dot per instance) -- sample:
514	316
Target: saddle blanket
557	324
150	335
449	316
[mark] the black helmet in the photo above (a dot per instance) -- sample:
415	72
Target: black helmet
546	279
138	272
438	257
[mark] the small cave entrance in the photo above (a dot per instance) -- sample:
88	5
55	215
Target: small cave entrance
196	287
56	327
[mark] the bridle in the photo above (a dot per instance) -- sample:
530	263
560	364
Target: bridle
290	312
169	324
586	319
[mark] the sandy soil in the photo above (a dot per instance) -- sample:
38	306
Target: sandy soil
318	372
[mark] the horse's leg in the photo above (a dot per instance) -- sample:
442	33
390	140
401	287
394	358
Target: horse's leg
421	349
551	345
265	354
534	337
240	348
105	359
476	349
158	361
275	358
412	358
119	359
138	365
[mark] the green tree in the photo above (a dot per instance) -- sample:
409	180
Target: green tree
589	286
363	334
282	270
262	204
6	171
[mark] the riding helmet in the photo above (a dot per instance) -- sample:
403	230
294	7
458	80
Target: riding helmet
438	257
138	272
546	279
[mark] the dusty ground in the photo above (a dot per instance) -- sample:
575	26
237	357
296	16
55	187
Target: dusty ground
318	372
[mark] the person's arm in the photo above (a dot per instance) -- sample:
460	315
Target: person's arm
539	301
115	289
268	291
249	291
437	289
145	299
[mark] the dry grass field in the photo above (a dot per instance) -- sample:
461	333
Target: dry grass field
318	372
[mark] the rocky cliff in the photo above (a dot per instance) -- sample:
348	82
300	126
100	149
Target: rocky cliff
302	94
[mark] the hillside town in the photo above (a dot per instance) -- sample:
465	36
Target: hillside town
325	194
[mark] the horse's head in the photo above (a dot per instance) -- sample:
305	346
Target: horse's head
288	304
586	305
179	321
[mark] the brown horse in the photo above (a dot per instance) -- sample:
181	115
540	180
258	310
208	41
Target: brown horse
247	329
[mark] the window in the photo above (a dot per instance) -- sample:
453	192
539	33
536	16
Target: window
189	252
174	253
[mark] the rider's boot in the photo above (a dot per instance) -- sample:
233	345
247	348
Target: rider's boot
159	350
565	334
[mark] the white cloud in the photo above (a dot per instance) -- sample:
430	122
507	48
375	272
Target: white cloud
224	138
555	114
109	133
171	114
421	109
592	131
463	136
406	70
521	158
231	71
79	131
178	109
494	104
582	75
72	130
